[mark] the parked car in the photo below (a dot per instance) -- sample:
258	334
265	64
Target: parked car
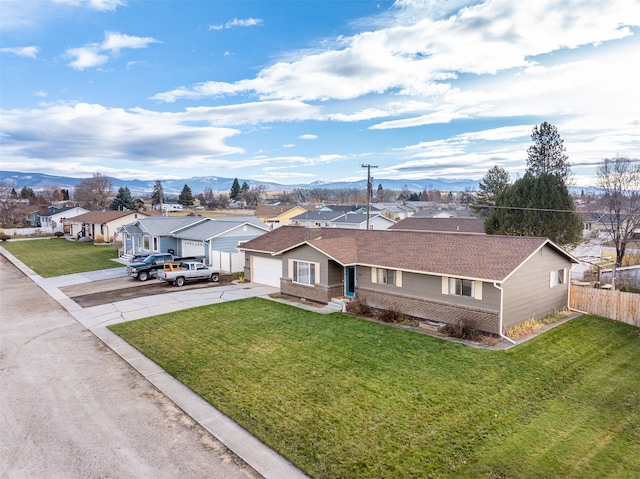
149	267
179	274
138	257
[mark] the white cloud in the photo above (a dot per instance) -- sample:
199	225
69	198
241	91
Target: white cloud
237	22
93	54
27	52
308	137
89	134
289	145
100	5
41	93
116	41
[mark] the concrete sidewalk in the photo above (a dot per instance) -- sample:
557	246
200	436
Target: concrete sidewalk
264	460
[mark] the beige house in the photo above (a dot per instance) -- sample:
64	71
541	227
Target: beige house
278	215
103	223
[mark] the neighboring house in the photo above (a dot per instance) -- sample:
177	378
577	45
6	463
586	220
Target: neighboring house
103	222
359	221
316	218
451	225
394	211
169	207
496	281
444	213
216	239
54	218
278	215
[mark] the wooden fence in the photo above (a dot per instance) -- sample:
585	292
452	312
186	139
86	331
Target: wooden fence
611	304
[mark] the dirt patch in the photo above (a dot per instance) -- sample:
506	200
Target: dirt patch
107	291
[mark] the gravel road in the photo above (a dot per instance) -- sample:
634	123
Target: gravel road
71	408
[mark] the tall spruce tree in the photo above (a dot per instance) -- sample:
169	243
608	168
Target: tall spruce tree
495	181
235	189
547	154
123	200
186	197
537	206
157	197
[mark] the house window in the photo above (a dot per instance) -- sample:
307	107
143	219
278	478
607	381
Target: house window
146	243
304	272
155	244
386	276
462	287
557	277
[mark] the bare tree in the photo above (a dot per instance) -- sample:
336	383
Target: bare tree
619	180
253	195
94	192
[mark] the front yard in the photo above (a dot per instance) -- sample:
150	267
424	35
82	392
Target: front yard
347	398
55	257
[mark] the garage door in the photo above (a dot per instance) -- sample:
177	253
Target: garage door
192	248
266	271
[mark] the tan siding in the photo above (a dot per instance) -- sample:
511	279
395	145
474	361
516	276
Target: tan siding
528	293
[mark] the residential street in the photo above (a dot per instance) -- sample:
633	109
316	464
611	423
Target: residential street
71	408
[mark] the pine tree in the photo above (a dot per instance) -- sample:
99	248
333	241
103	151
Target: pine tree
494	182
235	189
157	197
537	206
123	200
185	198
547	154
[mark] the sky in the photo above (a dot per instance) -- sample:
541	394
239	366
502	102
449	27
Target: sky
295	92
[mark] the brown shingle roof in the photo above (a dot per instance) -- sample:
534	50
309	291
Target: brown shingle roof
485	257
104	216
423	223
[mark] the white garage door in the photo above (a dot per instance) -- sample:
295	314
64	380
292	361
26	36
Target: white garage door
192	248
266	271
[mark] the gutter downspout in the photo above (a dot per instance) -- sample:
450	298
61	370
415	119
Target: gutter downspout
500	315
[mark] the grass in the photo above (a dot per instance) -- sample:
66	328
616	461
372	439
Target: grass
347	398
55	257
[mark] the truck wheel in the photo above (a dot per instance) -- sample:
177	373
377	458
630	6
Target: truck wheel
179	281
143	276
215	277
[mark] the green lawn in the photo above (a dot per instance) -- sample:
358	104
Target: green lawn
55	257
348	398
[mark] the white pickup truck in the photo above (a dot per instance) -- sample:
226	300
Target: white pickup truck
178	274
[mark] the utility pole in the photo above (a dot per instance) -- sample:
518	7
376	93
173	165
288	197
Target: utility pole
368	167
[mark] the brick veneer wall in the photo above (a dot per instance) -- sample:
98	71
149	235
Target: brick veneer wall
487	321
319	292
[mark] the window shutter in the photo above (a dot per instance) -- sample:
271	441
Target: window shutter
317	268
399	279
478	291
445	285
564	275
551	278
290	275
374	275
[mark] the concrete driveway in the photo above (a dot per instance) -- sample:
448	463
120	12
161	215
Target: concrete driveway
71	407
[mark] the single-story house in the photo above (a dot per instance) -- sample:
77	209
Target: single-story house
496	281
394	211
278	215
316	218
216	239
451	225
359	221
102	222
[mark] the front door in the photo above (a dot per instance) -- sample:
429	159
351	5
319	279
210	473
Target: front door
350	281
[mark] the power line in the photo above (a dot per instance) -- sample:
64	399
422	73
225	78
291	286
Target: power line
368	167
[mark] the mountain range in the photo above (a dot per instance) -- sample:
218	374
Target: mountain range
40	181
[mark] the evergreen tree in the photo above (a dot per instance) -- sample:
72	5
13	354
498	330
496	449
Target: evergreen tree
185	198
157	197
537	206
547	154
123	200
494	182
235	189
244	188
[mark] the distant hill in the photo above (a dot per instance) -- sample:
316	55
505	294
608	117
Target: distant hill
39	181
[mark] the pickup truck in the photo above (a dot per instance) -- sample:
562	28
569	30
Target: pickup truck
149	267
178	274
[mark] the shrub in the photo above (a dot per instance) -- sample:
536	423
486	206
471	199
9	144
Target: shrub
58	234
99	238
4	237
391	316
464	328
360	308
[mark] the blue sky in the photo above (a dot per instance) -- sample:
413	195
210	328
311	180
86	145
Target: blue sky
301	91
